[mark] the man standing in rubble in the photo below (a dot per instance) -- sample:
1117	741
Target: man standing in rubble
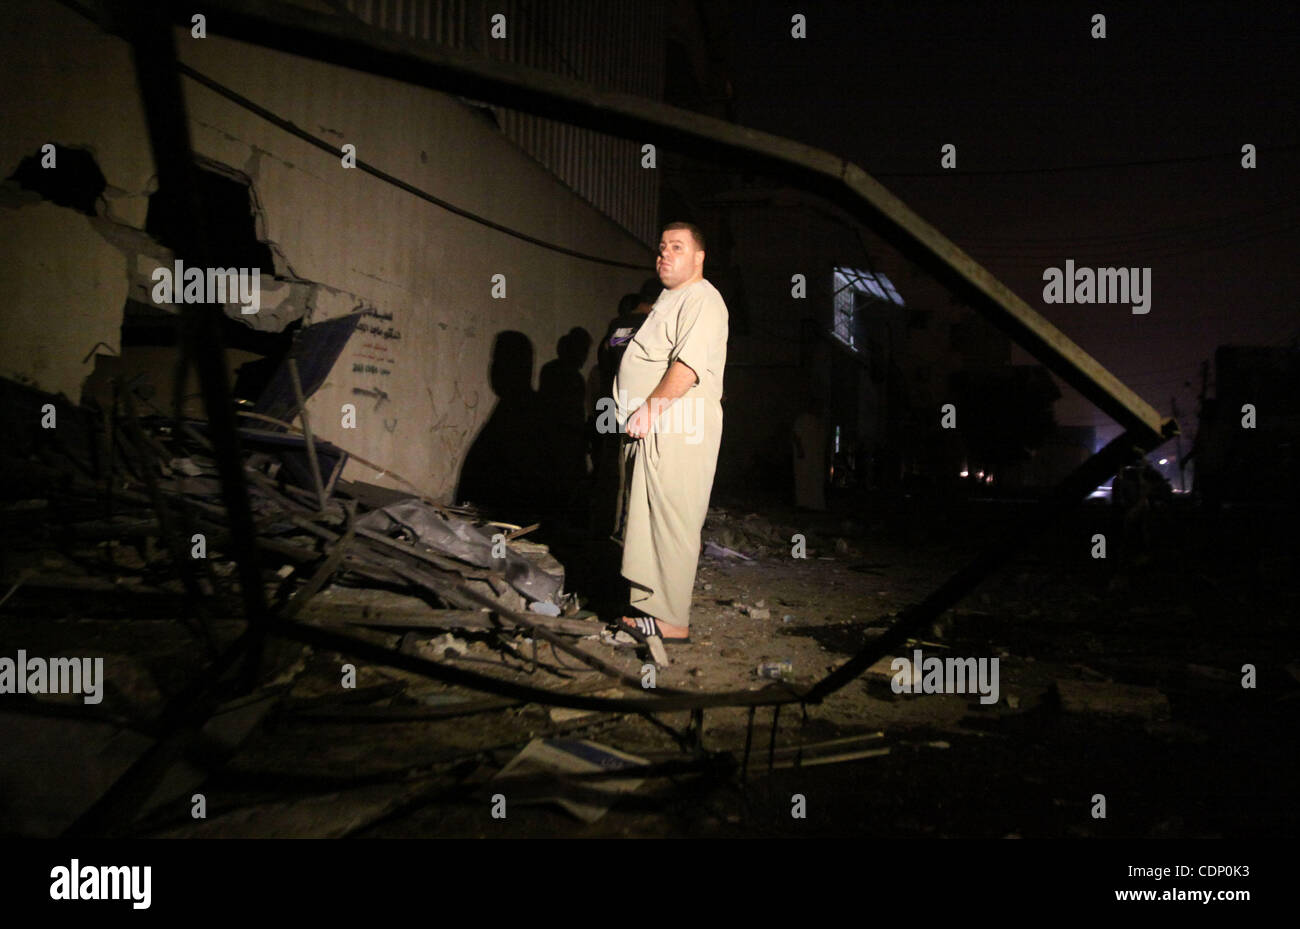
668	402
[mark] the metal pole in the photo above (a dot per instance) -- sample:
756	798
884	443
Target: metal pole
1080	482
306	432
150	32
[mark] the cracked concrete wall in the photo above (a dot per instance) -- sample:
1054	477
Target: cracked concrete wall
59	279
64	285
351	239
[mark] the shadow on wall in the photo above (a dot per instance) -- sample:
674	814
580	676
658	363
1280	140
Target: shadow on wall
530	458
562	391
502	470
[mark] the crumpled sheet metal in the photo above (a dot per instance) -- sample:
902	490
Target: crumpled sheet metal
457	538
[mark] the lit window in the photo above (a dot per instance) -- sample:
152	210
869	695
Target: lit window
853	290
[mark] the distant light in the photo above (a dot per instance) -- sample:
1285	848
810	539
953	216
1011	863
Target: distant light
979	475
989	479
965	474
1164	461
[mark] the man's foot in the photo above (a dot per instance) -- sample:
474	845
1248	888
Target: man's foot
667	631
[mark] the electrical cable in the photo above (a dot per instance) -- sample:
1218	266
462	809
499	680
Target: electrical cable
320	143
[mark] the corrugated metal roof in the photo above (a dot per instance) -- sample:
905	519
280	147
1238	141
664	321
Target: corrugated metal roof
614	45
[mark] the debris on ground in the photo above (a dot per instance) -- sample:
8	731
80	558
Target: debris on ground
775	670
550	770
713	550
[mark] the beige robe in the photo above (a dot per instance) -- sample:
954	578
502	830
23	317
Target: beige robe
670	471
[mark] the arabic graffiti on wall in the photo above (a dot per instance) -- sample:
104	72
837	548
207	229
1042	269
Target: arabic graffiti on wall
374	344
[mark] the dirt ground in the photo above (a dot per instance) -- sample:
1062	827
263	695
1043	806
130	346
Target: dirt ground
1171	740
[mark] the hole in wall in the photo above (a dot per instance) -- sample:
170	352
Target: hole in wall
75	181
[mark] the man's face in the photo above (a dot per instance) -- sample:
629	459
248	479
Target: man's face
679	260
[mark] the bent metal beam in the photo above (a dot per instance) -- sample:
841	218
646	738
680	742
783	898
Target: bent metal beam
356	45
347	43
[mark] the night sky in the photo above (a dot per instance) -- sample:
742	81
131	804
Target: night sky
1122	151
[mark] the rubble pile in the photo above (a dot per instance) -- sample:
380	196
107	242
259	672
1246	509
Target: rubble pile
135	503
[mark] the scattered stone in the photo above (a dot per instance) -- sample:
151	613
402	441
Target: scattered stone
445	643
658	653
756	613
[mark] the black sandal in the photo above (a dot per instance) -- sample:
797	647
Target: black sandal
647	626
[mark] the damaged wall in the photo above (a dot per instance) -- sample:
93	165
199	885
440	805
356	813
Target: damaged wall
342	238
64	284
